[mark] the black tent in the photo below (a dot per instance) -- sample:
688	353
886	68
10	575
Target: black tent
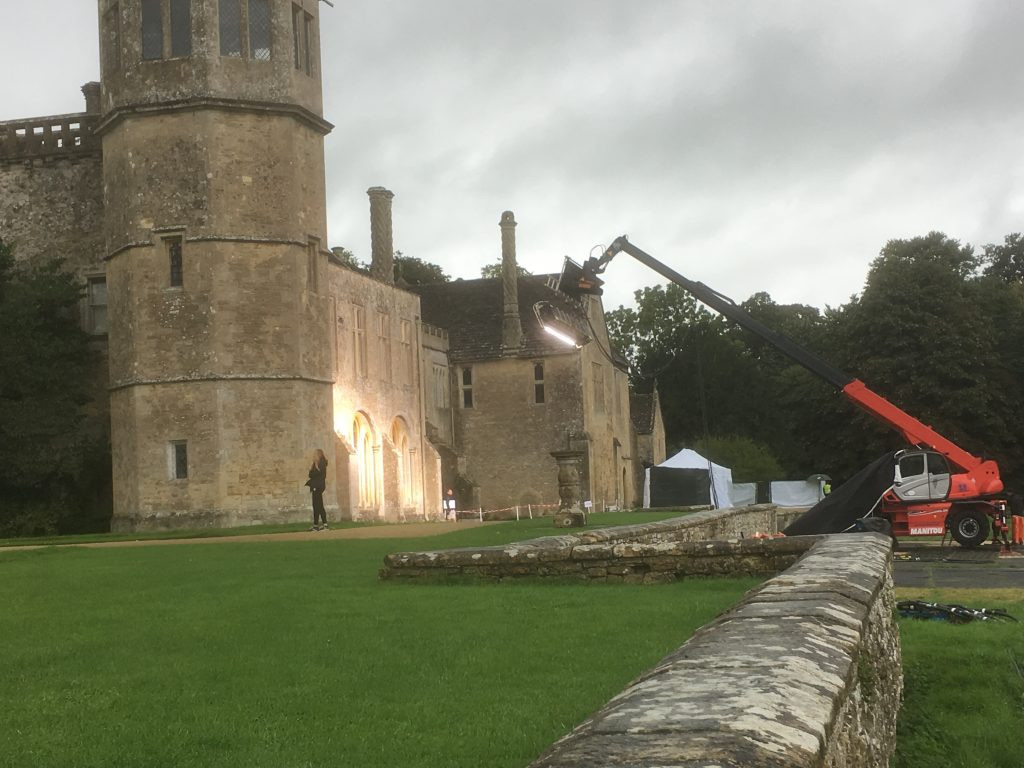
857	497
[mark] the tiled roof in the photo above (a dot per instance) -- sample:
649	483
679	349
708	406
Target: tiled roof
471	312
641	411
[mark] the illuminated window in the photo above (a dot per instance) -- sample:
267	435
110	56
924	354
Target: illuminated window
366	464
97	298
400	439
538	383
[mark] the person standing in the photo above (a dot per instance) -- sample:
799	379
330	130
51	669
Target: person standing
317	483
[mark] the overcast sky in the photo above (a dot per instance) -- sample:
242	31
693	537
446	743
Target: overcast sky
755	146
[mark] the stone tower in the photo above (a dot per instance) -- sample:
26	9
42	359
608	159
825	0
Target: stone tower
215	240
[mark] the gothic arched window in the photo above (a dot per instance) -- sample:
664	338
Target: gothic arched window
366	464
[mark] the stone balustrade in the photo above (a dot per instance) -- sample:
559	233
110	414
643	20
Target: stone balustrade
48	137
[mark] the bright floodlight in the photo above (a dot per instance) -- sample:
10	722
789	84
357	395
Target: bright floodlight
558	324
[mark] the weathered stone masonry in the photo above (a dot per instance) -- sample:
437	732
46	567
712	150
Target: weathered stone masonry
805	671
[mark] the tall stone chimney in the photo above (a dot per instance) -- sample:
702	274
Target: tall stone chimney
91	91
511	328
382	246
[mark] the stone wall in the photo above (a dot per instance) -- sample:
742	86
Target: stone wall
648	552
507	437
805	671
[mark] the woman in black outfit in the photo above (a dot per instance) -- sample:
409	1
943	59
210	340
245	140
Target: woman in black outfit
317	483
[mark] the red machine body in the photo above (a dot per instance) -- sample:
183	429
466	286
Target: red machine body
934	491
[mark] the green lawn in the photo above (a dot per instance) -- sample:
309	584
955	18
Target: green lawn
193	533
964	686
288	654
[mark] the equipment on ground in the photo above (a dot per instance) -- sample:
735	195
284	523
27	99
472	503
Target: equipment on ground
955	614
933	488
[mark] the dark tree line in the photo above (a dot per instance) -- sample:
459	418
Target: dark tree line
938	330
54	475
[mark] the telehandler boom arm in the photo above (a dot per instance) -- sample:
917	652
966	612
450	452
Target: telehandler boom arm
984	473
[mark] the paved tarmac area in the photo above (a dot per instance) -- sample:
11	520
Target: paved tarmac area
953	566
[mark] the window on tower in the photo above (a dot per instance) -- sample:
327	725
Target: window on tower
259	29
152	30
245	29
166	29
181	28
302	36
112	37
96	321
177	459
174	256
230	25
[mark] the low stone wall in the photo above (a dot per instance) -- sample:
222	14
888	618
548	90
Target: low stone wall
805	671
603	553
630	562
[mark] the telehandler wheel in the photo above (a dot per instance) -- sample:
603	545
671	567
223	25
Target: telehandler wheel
969	527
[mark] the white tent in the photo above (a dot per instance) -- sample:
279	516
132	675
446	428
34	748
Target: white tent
797	493
721	477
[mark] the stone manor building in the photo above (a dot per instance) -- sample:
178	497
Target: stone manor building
189	197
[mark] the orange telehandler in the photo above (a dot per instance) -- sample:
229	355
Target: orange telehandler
932	488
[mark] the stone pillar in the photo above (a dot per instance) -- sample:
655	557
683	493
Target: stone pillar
382	246
570	514
511	329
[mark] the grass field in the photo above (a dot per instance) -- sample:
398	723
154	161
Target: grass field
290	654
195	533
964	686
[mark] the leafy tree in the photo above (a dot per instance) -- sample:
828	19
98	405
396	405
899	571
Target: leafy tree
348	259
749	460
413	271
703	374
1006	261
494	270
45	376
